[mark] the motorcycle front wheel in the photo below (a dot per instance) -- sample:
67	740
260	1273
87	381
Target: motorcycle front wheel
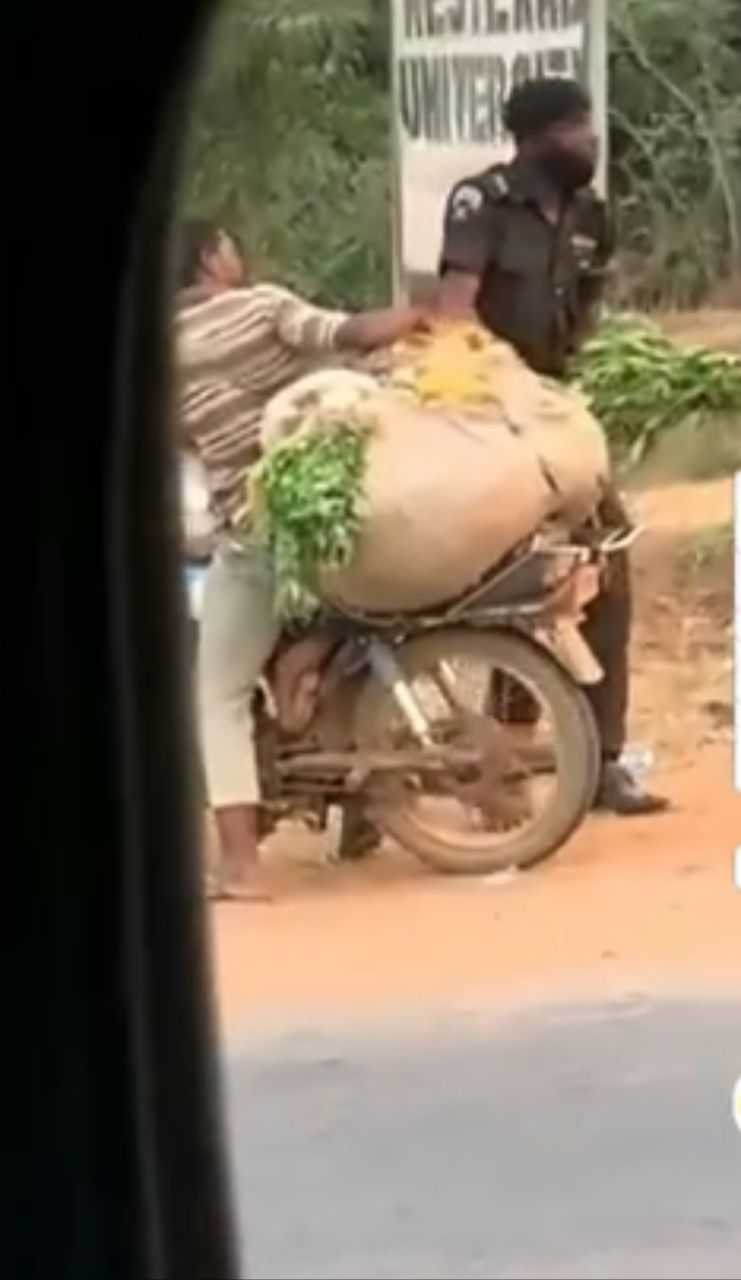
465	825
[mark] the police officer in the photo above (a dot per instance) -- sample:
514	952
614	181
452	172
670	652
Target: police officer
526	246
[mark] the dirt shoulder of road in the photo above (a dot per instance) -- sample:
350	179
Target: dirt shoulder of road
628	905
682	687
636	907
715	327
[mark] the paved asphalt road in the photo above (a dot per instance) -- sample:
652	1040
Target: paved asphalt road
575	1142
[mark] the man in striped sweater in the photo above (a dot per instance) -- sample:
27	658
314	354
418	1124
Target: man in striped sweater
237	344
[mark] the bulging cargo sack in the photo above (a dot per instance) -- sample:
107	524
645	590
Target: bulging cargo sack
461	465
326	392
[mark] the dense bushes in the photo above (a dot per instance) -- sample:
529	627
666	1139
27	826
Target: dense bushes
675	70
290	145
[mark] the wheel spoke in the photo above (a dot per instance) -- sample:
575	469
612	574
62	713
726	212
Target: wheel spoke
533	781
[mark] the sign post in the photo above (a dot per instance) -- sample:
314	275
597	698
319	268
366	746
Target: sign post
454	63
595	77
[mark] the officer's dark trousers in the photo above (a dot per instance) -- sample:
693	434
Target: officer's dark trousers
606	630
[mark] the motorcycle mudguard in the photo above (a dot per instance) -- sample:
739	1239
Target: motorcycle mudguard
565	641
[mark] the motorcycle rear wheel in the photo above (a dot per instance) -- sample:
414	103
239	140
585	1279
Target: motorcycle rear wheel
576	754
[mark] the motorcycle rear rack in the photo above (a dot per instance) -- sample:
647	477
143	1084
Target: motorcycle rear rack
599	544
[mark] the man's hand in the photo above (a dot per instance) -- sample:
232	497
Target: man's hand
423	319
373	329
416	318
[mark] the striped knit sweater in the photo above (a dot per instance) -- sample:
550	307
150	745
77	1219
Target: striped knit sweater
234	350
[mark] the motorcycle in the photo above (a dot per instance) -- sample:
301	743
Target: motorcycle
387	715
386	719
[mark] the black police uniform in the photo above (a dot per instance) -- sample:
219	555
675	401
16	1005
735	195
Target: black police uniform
539	281
538	284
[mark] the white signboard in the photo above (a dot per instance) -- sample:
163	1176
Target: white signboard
454	65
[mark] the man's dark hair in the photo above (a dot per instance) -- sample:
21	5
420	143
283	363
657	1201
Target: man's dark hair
535	104
195	238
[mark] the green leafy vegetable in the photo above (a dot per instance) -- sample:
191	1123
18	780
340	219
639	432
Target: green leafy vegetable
640	384
307	502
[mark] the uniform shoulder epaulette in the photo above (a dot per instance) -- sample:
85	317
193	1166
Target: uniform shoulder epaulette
496	182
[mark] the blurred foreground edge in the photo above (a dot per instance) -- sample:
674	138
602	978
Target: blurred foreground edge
128	1172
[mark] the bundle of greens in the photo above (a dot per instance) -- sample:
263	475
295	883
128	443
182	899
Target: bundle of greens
306	498
640	384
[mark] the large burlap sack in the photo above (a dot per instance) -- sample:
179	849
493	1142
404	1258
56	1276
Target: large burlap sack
446	496
466	364
325	393
450	490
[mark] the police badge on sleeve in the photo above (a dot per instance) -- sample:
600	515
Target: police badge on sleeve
465	201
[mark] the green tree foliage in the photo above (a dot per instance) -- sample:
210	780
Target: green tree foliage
675	68
290	144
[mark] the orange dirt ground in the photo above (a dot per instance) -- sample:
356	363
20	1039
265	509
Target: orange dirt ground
627	906
719	328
